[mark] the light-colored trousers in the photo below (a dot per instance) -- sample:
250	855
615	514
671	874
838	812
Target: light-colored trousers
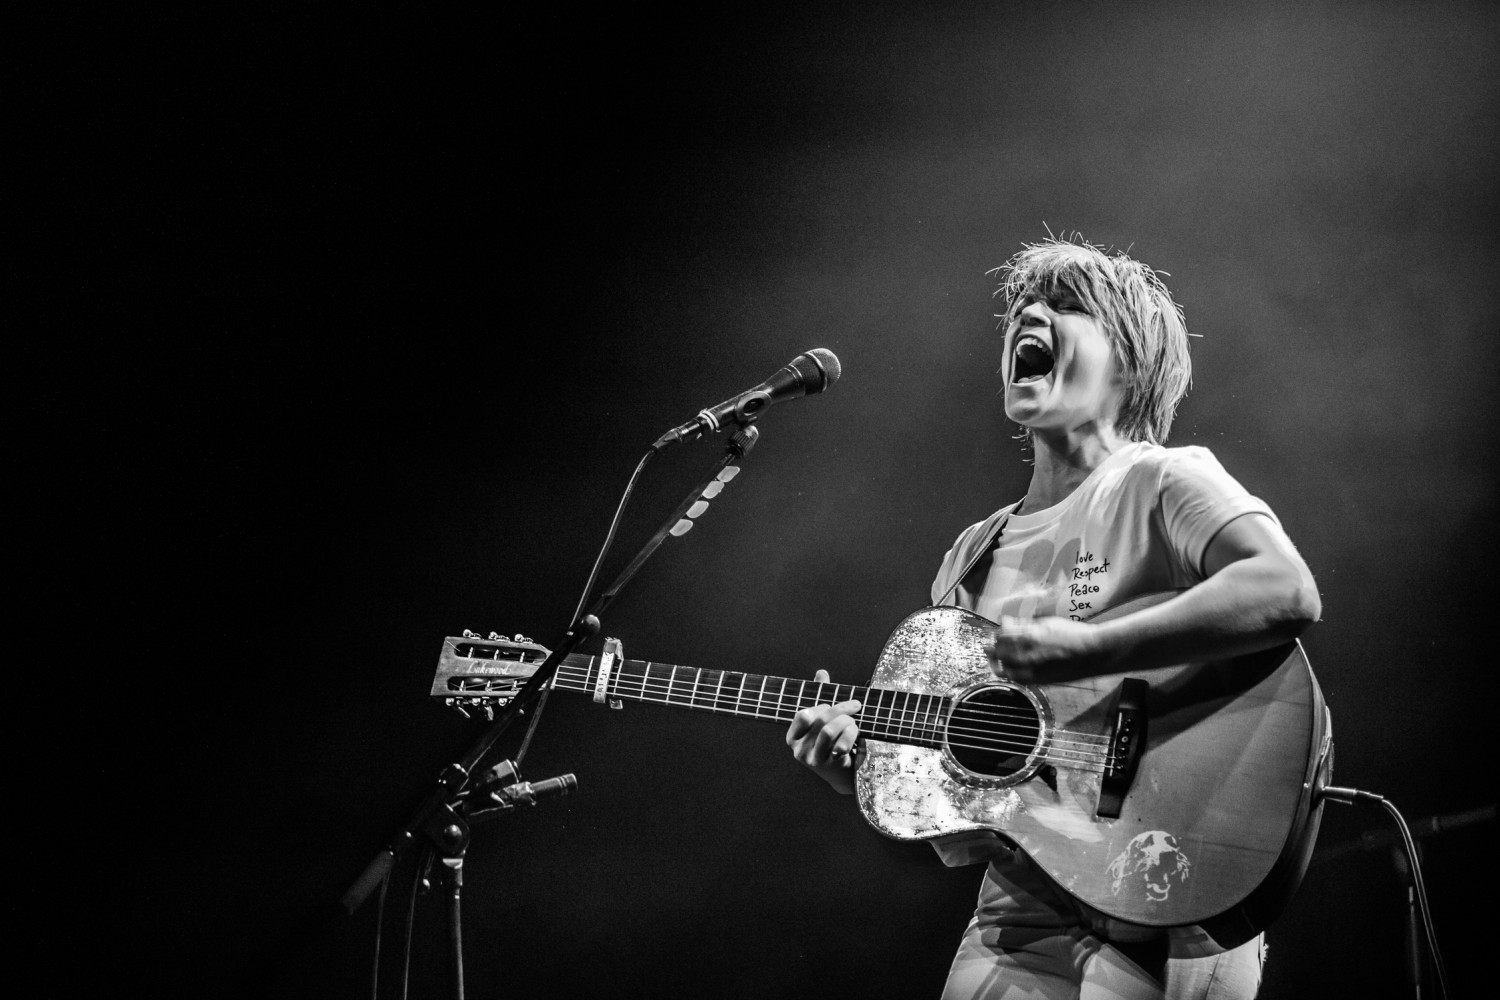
1025	943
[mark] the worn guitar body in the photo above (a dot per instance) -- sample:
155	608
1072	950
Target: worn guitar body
1216	824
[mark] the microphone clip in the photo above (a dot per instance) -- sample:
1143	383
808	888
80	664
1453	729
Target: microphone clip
746	409
500	790
747	406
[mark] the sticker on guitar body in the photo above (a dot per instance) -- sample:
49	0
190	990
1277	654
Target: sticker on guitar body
1157	859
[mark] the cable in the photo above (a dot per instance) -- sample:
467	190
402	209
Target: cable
1349	796
536	716
385	883
411	917
588	588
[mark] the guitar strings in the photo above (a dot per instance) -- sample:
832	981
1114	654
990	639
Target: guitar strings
895	721
874	706
759	704
875	713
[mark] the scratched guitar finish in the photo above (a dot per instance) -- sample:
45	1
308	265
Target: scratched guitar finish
907	792
1216	814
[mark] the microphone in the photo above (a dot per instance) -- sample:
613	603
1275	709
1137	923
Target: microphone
530	792
805	375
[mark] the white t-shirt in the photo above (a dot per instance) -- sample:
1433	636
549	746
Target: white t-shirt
1140	523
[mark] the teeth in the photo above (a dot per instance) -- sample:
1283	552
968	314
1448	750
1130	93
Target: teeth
1027	339
1032	359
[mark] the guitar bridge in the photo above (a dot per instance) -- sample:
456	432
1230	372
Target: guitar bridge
1125	745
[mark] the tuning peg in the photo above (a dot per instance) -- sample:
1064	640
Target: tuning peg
470	635
522	638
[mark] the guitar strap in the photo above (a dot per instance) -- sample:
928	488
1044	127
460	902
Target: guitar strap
984	550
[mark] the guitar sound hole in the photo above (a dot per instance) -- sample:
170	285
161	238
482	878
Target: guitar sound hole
993	731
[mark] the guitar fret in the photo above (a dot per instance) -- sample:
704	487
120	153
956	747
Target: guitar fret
888	710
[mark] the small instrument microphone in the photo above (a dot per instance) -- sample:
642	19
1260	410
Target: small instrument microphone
530	792
805	375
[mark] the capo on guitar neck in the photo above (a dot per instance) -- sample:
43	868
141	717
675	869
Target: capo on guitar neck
614	653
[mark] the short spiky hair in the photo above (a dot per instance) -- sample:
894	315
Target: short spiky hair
1147	328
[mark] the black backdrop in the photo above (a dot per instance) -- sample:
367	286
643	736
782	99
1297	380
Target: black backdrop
362	322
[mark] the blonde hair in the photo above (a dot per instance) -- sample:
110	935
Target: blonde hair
1128	298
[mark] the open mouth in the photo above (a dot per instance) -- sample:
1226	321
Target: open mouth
1032	360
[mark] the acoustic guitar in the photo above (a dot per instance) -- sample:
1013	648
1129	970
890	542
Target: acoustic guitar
1177	801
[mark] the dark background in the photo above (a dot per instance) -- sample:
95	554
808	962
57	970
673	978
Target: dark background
358	325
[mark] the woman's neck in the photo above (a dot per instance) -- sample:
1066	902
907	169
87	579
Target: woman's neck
1064	461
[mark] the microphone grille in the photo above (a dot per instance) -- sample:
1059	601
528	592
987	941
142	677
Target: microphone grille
828	364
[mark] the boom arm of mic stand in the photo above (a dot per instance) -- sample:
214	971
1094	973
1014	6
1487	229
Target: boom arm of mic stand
455	776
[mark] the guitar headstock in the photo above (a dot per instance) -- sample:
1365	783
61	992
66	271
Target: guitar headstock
484	672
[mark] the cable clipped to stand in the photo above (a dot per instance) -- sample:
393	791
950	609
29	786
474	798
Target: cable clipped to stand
679	524
444	818
588	588
807	374
469	801
1350	796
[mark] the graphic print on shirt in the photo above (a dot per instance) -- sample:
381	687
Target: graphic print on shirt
1074	580
1084	585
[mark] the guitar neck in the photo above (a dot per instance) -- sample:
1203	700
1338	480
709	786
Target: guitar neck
885	714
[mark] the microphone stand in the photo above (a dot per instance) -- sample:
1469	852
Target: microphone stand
442	816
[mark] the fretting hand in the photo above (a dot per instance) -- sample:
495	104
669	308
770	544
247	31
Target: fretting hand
825	738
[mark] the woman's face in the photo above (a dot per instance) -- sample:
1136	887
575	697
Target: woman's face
1059	366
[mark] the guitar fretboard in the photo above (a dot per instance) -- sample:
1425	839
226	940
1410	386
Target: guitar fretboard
886	714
